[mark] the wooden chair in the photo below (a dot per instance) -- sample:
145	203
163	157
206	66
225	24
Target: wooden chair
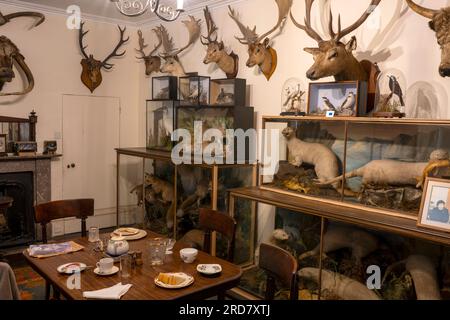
47	212
215	221
279	265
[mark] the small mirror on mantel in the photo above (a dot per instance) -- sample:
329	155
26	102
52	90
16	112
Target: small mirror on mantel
14	130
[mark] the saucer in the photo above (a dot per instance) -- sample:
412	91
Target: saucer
209	269
113	271
138	236
126	232
71	268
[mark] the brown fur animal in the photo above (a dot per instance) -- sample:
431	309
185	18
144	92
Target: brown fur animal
166	191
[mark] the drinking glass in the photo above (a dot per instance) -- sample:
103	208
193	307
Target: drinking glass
157	251
170	243
94	234
126	266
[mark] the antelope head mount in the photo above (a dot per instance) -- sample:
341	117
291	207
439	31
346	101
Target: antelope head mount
259	50
91	75
440	23
215	52
9	53
333	57
152	61
172	63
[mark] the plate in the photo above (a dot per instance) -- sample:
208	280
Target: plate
126	232
186	283
113	271
209	269
71	268
141	234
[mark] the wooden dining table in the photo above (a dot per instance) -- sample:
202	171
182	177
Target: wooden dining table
142	277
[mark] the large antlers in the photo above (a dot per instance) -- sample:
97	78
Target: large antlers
122	41
193	27
427	13
7	18
211	26
284	7
248	36
81	35
142	44
334	35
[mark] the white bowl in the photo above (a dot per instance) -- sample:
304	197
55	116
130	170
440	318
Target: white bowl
188	255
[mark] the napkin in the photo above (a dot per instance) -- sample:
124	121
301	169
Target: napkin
113	293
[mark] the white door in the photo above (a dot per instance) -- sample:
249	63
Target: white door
91	132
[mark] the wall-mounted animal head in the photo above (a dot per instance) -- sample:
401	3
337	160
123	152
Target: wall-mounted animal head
333	57
9	53
152	61
91	75
215	52
172	63
260	53
440	23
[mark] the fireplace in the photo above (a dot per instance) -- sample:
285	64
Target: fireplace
18	221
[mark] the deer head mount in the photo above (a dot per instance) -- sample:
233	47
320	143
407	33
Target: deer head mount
333	57
152	61
215	52
9	53
260	52
440	23
91	75
172	63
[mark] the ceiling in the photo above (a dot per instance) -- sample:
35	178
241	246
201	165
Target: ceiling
105	9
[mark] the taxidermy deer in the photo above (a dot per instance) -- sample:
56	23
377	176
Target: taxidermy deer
216	53
440	23
152	61
9	53
91	75
333	57
173	65
259	50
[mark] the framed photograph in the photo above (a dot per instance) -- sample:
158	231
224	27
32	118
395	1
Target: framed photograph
344	98
2	144
435	206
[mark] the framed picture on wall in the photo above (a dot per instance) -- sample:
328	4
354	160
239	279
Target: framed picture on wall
344	98
2	144
435	207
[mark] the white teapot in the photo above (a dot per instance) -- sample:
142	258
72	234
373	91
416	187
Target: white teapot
117	246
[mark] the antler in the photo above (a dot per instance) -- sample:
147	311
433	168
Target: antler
81	36
427	13
284	7
212	28
307	27
340	34
122	41
5	19
193	27
142	44
249	36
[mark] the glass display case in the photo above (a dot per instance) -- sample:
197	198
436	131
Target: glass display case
390	97
165	88
194	91
228	92
377	163
160	123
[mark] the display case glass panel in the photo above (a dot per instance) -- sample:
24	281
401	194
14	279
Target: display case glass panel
297	154
160	124
164	88
194	91
228	92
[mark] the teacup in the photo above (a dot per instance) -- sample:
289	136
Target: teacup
105	265
188	255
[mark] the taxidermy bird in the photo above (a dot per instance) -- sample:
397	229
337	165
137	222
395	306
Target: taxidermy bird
167	121
328	104
395	88
194	93
349	102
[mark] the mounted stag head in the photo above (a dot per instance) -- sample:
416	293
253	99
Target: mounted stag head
152	62
332	57
9	53
91	75
440	23
215	53
260	52
173	65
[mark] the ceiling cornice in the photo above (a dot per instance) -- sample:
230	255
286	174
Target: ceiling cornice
92	17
